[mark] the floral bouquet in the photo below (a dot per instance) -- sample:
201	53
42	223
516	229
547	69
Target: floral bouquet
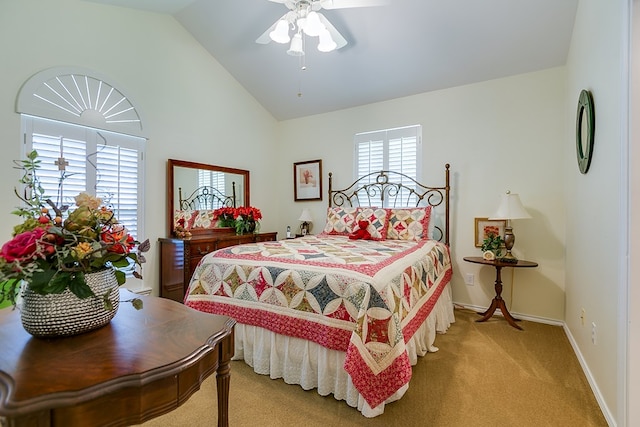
244	219
226	216
54	247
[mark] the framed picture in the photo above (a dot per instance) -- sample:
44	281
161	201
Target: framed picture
484	226
307	180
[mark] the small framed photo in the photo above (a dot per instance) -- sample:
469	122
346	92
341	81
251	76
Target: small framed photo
484	226
307	180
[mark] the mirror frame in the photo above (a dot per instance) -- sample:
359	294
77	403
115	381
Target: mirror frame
584	143
194	165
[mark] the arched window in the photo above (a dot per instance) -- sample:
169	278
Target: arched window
85	128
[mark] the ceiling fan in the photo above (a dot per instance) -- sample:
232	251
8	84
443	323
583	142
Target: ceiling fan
304	19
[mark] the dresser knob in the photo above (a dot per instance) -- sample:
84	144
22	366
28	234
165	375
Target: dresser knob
206	251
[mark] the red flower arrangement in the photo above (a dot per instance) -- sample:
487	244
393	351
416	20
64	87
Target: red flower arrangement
244	219
54	247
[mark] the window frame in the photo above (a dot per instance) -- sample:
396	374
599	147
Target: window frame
91	137
385	135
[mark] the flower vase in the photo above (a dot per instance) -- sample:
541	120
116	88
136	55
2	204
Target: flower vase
65	314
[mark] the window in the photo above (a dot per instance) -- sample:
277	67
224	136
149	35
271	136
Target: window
105	164
212	179
397	150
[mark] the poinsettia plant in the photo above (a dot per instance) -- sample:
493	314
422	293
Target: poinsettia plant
244	219
55	246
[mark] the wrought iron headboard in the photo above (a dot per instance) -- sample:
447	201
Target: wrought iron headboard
207	197
394	190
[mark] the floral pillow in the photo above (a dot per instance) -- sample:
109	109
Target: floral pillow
378	223
184	219
204	219
341	220
408	223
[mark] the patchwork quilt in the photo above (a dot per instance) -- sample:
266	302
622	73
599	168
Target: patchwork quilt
364	297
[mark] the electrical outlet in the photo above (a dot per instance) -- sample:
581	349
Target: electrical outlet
594	334
583	316
469	279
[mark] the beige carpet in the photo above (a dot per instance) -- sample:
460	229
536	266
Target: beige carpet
485	374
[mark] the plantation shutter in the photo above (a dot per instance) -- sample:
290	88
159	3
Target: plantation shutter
397	150
103	164
213	179
117	183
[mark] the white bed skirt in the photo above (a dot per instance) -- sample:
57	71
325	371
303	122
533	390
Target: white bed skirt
310	365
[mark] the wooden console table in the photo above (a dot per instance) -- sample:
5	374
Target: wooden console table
497	301
143	364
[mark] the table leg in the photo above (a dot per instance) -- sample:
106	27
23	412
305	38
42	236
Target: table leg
223	379
498	302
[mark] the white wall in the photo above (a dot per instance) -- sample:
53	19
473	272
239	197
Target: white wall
632	296
192	108
595	201
498	135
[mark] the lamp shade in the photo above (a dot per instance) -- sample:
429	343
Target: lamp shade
306	216
511	208
296	49
326	42
313	26
281	33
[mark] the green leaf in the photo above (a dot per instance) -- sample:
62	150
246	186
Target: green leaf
108	305
40	280
137	303
120	276
120	263
79	286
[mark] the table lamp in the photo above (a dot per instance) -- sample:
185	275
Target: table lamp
510	208
306	219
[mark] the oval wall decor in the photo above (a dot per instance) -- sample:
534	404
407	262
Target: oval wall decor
585	126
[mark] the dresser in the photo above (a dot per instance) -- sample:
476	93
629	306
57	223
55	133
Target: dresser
179	257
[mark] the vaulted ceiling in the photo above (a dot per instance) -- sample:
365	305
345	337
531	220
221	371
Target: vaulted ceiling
399	49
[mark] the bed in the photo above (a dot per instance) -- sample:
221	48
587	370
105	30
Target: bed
345	315
195	212
206	197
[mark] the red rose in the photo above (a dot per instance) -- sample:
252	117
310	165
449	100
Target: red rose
23	246
117	239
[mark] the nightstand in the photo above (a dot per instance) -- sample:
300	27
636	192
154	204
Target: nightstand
497	301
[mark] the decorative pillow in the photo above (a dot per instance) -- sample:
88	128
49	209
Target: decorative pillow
378	223
341	220
184	219
409	223
204	219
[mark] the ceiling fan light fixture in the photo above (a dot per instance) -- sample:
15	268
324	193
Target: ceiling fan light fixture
313	27
281	33
326	43
295	49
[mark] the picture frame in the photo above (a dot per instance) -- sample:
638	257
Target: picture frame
483	225
307	180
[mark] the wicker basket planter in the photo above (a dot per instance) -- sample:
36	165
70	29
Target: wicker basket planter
65	314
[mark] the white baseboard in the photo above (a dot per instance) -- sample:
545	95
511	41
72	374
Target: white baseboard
592	383
536	319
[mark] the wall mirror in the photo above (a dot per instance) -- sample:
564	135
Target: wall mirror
185	178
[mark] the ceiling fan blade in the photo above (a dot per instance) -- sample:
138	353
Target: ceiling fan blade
291	4
343	4
265	37
335	35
